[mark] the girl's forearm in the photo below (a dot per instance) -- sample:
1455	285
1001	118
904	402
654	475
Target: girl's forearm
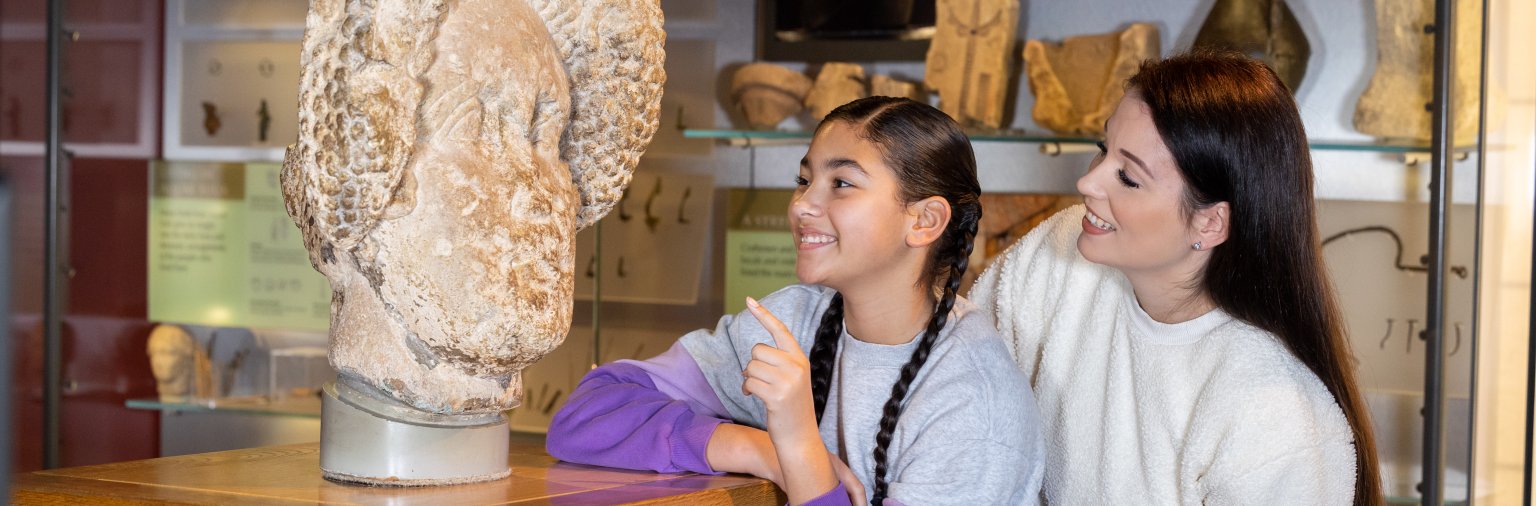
811	476
740	449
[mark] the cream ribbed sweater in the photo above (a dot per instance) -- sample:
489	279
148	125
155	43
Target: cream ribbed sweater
1209	411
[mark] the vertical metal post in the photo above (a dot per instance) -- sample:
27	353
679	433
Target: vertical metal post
1477	252
597	294
1530	380
5	339
52	248
1432	487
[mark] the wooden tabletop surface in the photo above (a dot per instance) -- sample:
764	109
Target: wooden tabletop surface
291	475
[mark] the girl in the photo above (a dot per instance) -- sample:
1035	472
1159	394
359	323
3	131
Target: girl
904	382
1185	311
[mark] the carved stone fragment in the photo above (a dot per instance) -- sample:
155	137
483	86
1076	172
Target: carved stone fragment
970	59
768	93
1078	83
1264	29
1393	104
447	154
885	86
836	84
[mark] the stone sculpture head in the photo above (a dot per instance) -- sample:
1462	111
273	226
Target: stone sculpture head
448	152
180	367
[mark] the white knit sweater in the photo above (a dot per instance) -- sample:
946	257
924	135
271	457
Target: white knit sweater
1209	411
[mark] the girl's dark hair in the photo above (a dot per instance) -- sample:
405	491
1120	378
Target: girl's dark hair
1237	137
931	157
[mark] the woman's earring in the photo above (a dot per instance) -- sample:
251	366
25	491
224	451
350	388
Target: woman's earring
1197	245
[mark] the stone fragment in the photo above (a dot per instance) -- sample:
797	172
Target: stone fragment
886	86
768	93
836	84
1393	104
1078	83
1264	29
970	60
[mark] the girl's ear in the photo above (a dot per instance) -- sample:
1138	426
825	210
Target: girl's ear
930	217
1210	224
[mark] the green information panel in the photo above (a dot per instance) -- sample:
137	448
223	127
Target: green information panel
223	252
759	248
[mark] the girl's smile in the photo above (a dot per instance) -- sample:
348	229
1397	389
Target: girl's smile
810	238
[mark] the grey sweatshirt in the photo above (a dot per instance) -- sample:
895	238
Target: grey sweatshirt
969	432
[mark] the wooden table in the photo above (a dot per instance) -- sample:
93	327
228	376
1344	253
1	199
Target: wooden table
291	474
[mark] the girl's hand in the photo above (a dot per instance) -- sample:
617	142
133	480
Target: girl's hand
781	378
850	481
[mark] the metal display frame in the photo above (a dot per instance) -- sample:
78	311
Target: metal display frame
143	145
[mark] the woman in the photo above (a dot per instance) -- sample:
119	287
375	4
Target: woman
1179	327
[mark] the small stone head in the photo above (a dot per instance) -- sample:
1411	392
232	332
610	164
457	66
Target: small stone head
180	367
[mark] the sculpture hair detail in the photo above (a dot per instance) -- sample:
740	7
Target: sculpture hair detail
359	124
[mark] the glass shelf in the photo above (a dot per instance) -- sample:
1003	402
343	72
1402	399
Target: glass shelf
776	137
302	407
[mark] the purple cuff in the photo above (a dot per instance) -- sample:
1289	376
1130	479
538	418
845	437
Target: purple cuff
617	417
838	496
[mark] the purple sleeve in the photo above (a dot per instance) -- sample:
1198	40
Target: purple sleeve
838	496
619	417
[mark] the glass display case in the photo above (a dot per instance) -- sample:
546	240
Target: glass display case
1428	241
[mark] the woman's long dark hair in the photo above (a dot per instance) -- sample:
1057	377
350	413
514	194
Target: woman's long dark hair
1237	137
931	157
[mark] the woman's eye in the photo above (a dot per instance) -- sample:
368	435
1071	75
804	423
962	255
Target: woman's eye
1103	150
839	183
1126	180
801	181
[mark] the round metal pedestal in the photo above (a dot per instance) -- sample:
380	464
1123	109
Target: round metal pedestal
368	438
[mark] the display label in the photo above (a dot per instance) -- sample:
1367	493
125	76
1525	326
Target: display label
223	252
759	247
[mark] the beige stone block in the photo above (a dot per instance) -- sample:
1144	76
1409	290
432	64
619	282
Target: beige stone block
1078	82
768	93
970	60
885	86
836	84
1392	106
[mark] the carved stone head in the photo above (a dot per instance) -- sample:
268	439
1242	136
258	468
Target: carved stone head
180	365
448	152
